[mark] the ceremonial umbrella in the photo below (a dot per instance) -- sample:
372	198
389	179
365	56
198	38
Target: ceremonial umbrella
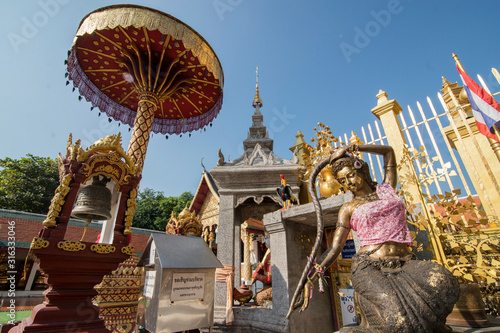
148	70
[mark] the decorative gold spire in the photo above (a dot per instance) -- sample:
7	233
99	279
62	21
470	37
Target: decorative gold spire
257	100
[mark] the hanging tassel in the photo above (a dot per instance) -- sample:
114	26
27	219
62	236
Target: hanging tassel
321	277
87	222
25	269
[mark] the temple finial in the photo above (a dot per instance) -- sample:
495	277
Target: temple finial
257	101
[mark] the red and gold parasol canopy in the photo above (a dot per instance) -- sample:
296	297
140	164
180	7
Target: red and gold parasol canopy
122	53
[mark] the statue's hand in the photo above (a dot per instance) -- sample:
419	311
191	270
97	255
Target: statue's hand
305	295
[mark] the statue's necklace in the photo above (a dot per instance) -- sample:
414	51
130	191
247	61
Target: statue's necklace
366	198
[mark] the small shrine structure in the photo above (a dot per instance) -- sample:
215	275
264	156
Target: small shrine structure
247	189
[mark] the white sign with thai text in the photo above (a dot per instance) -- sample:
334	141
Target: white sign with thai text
347	306
187	286
149	283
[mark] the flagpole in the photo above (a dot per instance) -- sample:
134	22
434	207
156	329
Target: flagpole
495	145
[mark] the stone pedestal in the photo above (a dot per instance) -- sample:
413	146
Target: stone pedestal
292	232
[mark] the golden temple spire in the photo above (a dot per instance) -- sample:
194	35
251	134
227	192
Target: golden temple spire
257	100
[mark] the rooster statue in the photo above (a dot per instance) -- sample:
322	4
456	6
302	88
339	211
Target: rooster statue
285	193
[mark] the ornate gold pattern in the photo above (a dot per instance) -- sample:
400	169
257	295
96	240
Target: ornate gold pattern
38	243
109	144
120	327
57	202
71	246
186	224
117	170
118	165
118	296
102	248
142	129
72	150
129	213
128	250
209	211
104	145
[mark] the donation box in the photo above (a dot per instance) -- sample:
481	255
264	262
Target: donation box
179	282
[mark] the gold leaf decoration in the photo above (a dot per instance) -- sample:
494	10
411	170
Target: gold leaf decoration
128	250
102	248
71	246
38	243
57	202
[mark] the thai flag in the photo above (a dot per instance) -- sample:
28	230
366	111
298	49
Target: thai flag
484	107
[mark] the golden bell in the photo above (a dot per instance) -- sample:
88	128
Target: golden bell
94	201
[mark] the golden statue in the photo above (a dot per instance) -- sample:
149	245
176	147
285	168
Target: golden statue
186	224
393	292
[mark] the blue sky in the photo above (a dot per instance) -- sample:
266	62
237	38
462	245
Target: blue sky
321	61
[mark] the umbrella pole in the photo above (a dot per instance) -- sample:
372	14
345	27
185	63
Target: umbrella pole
143	123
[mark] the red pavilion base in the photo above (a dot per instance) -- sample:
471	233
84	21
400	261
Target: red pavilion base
68	301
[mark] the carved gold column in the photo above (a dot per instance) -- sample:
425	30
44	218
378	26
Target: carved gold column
139	140
247	267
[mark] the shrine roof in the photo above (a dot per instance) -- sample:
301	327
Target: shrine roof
207	183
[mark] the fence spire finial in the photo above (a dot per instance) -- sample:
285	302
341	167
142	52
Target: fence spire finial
382	97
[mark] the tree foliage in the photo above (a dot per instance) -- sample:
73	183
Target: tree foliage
28	184
153	209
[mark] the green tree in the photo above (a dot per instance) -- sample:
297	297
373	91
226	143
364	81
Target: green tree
28	184
147	209
153	209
